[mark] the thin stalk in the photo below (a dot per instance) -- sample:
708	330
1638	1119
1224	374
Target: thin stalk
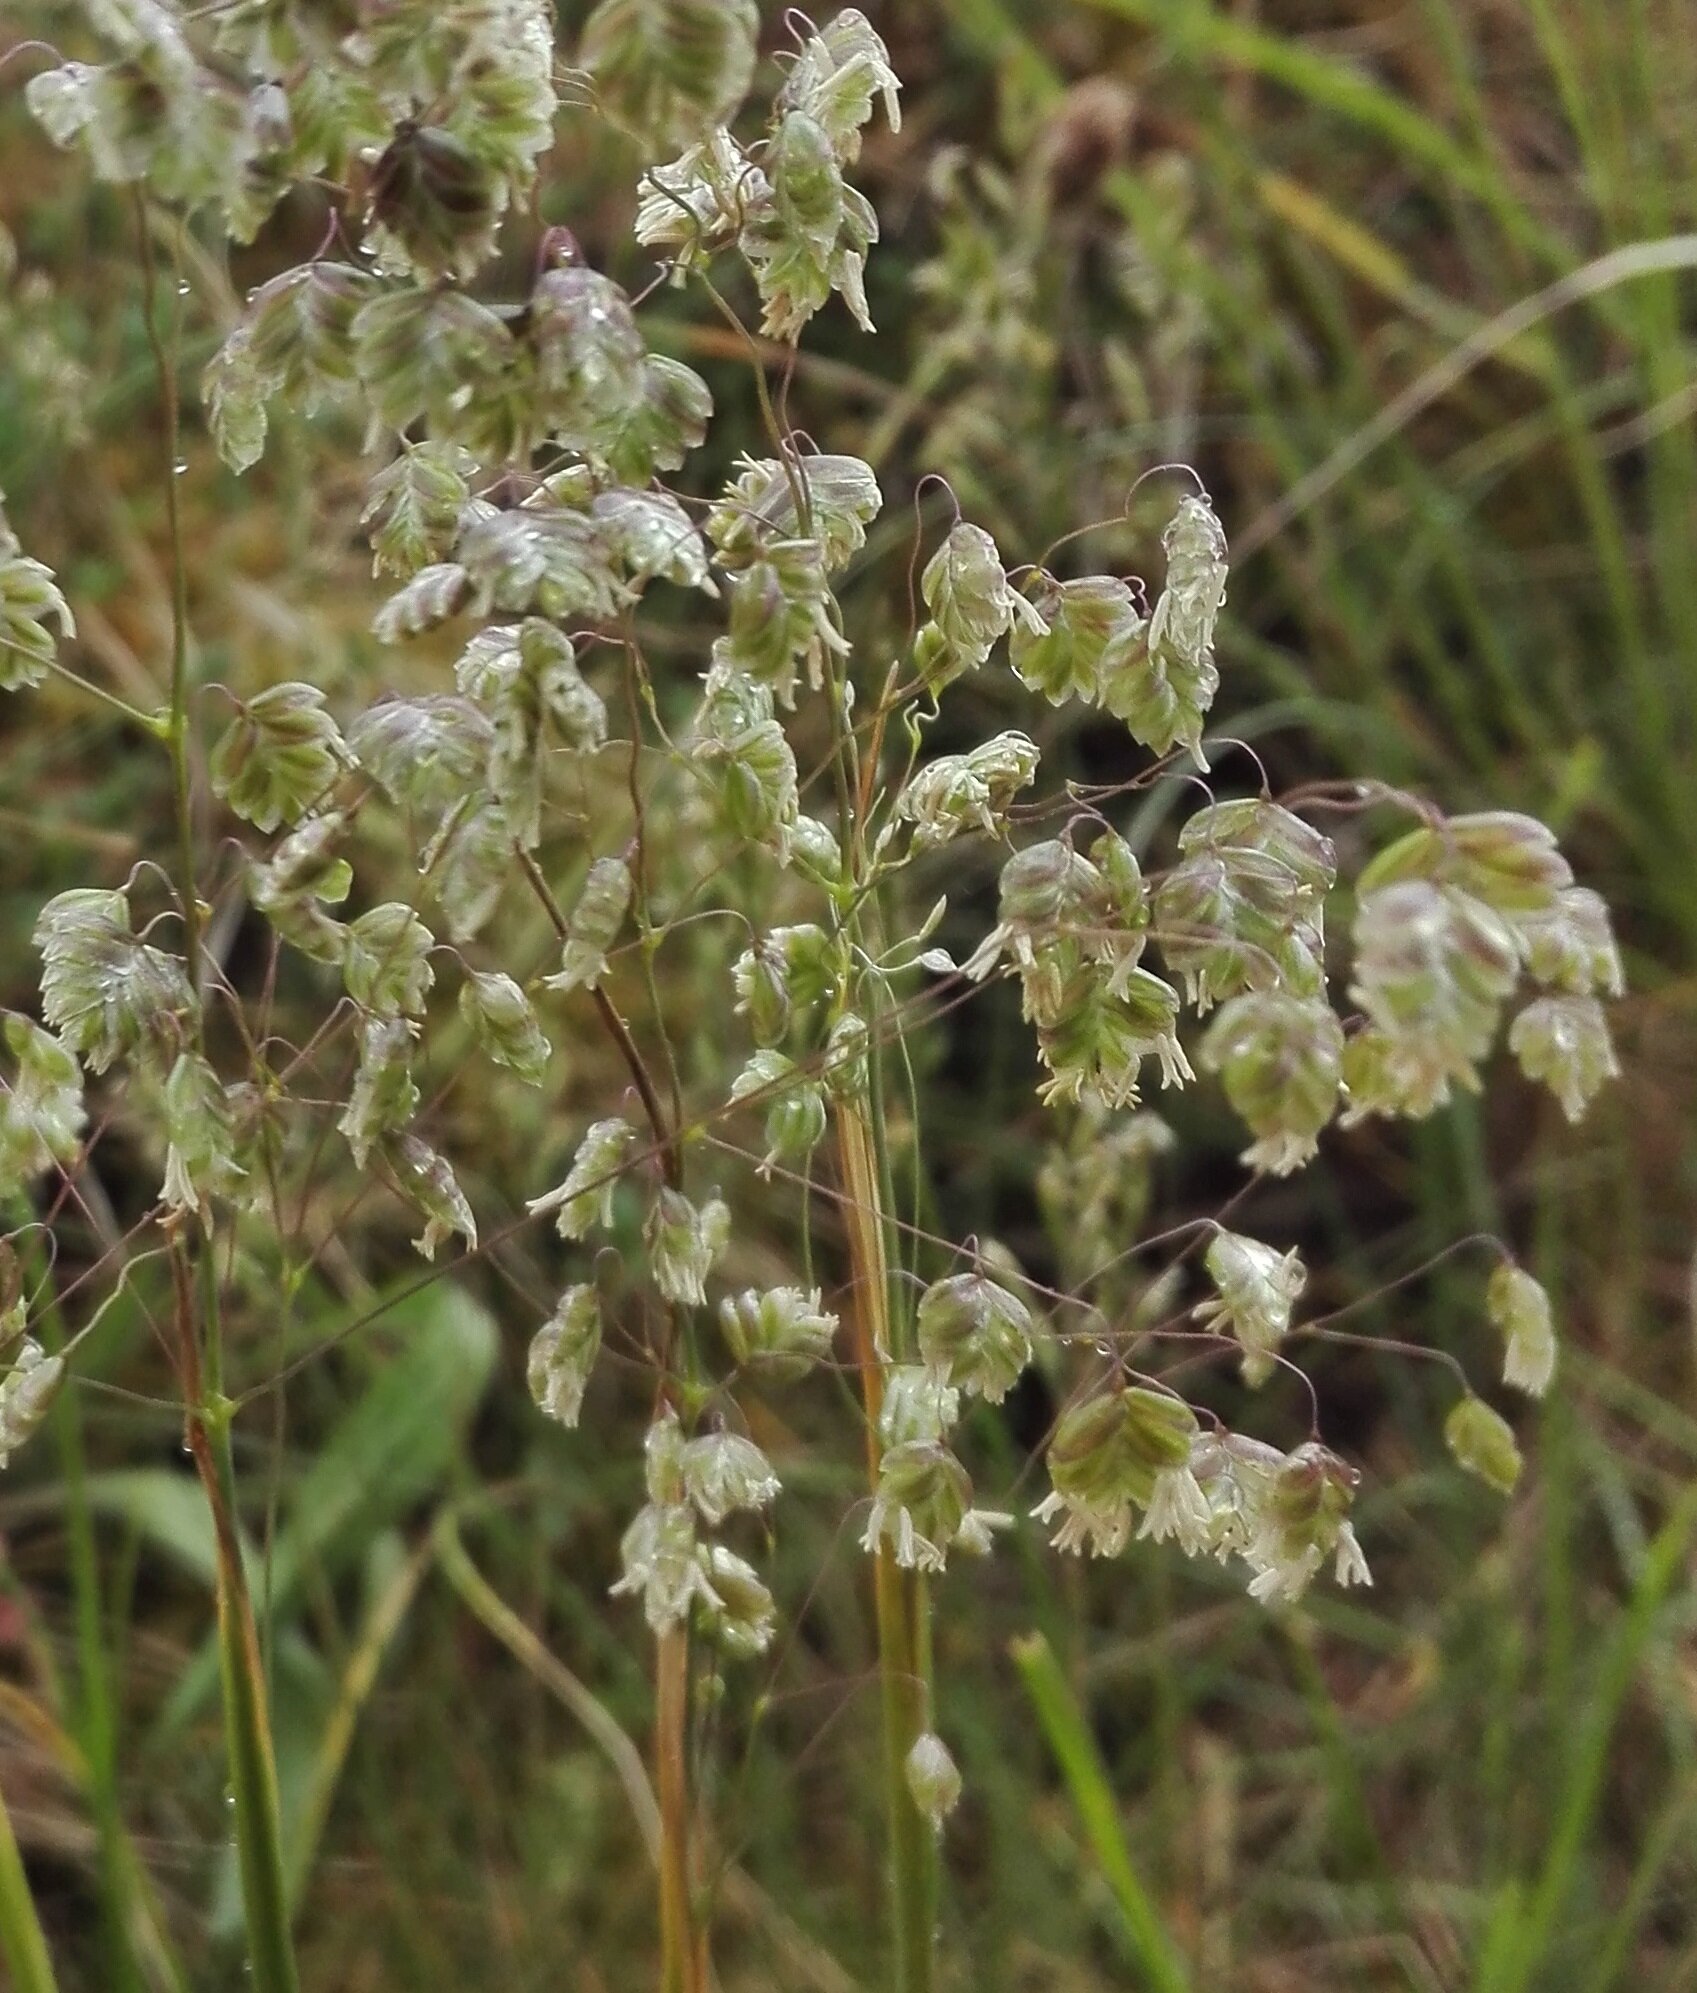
247	1723
898	1599
133	714
683	1940
915	1592
900	1604
665	1137
177	716
1148	1941
683	1932
21	1940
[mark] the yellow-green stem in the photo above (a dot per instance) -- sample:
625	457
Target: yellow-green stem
683	1941
898	1597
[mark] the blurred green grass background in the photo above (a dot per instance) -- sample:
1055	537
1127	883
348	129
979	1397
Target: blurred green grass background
1116	232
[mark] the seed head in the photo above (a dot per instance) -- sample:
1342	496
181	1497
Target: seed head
974	1334
1483	1442
723	1472
736	1609
1256	1286
585	1199
780	1333
26	1392
563	1353
1519	1307
933	1778
923	1497
685	1243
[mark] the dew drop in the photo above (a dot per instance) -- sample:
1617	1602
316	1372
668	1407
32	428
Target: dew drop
179	467
182	287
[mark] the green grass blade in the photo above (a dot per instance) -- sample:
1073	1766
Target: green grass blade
1069	1737
397	1441
1630	263
391	1449
1339	88
1668	1837
1523	1936
21	1938
382	1623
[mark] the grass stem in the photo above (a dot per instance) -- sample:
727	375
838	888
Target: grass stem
683	1940
683	1935
898	1603
247	1724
